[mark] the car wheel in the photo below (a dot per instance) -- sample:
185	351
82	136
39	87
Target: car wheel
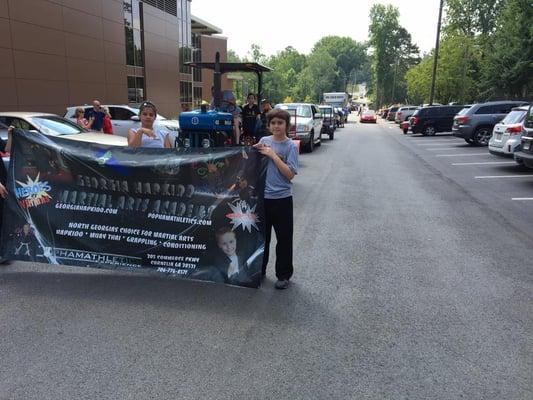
429	131
482	136
331	134
311	144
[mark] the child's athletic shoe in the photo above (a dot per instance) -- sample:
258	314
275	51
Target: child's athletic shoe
282	284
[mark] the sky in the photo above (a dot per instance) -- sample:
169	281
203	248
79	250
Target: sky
276	24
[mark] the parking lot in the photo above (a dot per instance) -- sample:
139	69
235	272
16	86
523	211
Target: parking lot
498	183
412	280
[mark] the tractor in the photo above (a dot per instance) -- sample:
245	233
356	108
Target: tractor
212	127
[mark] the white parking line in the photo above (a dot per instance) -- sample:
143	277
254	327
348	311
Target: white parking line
444	148
437	144
462	155
485	163
503	176
523	198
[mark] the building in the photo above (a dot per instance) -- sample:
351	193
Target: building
117	51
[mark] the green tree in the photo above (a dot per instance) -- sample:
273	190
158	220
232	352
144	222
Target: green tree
508	70
350	56
281	81
450	84
392	54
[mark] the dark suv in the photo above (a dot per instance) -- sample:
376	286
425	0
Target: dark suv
433	119
475	125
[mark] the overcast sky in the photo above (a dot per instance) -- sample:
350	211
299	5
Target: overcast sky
276	24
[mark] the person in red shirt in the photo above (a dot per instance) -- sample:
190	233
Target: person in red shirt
107	125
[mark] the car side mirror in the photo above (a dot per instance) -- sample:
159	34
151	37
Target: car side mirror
135	118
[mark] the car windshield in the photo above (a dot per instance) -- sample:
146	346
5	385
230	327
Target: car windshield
514	117
3	126
58	126
301	111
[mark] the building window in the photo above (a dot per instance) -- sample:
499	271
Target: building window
196	56
133	31
197	97
185	56
186	95
168	6
136	93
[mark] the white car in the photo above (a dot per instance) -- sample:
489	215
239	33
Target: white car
507	134
54	125
124	118
306	123
404	113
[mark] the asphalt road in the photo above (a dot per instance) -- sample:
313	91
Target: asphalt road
413	280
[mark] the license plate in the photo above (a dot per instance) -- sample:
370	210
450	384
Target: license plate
527	145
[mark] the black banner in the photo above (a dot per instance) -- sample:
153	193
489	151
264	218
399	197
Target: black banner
187	213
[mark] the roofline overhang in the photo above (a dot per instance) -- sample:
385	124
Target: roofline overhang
202	27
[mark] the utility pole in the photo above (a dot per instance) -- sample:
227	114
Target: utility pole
394	80
436	56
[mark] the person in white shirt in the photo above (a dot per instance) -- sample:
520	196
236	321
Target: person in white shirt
149	135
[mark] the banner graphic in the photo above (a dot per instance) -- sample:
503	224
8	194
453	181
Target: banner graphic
193	214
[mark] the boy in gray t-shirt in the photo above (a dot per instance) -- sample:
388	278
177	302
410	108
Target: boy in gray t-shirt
282	167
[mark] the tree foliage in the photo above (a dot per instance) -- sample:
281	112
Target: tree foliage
333	62
393	53
486	53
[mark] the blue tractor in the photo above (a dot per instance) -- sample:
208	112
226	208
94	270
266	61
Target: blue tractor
212	127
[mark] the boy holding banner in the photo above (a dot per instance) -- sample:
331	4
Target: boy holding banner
282	168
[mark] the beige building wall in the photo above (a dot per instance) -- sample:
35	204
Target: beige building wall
60	53
161	63
210	45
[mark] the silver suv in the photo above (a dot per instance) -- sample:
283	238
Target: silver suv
506	135
124	118
404	113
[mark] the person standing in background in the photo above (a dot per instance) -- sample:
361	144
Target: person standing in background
250	115
96	114
107	126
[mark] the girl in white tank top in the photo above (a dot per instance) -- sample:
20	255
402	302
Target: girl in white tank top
148	135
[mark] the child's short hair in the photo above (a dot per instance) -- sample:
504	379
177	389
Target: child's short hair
222	231
281	114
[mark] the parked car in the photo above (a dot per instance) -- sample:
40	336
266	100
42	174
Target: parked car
124	118
3	136
404	113
328	121
507	134
306	123
368	116
430	120
391	114
525	154
54	125
476	124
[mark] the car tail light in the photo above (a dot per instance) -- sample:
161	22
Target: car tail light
514	130
462	120
415	120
